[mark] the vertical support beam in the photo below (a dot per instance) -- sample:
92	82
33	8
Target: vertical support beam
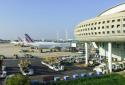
110	56
86	53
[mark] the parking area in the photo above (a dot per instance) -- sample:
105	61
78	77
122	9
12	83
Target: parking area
40	70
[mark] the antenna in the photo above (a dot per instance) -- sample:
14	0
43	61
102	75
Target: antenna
57	36
66	35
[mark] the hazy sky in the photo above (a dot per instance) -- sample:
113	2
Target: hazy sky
44	18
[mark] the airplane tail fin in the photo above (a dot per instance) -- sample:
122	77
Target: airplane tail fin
20	40
28	38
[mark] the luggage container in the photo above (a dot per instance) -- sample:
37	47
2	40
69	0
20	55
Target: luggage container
66	78
75	76
90	74
98	73
57	79
83	75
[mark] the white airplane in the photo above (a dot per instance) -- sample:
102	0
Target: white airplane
29	41
18	42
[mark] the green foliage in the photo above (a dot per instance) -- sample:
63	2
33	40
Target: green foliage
24	64
18	79
113	79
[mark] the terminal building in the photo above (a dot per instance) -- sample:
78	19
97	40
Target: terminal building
107	31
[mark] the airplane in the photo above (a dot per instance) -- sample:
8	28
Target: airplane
17	42
30	42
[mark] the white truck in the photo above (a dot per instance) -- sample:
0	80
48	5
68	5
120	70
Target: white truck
3	72
101	68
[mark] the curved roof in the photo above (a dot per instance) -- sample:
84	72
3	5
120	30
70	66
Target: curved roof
116	9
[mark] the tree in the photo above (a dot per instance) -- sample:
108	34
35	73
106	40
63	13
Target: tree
25	64
18	79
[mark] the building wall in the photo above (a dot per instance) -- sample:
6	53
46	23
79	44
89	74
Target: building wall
102	28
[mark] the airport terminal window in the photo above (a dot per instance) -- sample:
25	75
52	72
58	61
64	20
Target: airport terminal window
95	23
118	31
108	21
124	45
103	45
124	19
118	45
112	26
108	32
118	20
103	22
102	27
99	22
107	26
118	25
113	20
103	32
113	32
123	25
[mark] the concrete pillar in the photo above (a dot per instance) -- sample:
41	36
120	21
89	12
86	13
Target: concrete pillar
86	53
110	56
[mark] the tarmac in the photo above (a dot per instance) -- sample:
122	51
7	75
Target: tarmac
8	50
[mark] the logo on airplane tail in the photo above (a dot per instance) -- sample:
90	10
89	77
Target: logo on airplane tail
28	38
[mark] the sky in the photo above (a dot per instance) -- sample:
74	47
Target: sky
43	19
